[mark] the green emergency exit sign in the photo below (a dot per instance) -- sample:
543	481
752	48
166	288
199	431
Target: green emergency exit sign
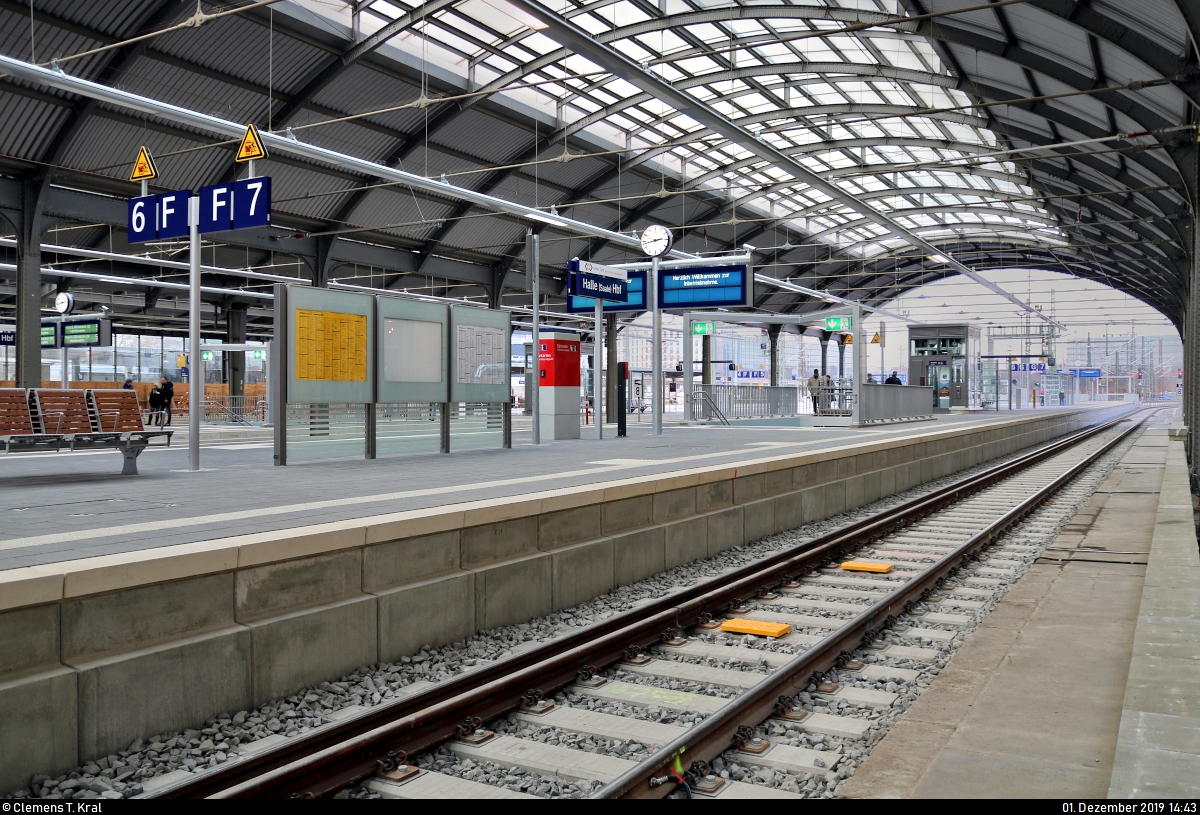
837	323
702	328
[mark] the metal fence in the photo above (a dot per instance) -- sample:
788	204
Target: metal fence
744	401
886	402
234	409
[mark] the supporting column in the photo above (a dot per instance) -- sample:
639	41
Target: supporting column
235	361
29	288
706	354
841	346
196	368
611	408
687	346
656	363
825	335
533	380
773	336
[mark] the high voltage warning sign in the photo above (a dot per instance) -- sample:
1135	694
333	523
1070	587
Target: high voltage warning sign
143	166
251	147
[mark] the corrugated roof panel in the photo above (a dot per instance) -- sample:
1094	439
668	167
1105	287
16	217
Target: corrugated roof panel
489	236
1120	67
572	174
48	41
361	89
1159	20
400	213
477	134
983	22
344	137
112	17
1024	119
1087	108
28	126
108	147
433	163
240	47
305	192
179	86
1050	36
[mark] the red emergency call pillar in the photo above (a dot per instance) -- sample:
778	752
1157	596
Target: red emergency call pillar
558	395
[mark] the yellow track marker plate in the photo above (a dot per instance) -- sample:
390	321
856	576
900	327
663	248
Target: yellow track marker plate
758	628
867	566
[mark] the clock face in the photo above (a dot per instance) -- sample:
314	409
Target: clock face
63	302
657	240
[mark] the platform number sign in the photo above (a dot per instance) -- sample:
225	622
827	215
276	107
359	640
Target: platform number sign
236	205
252	202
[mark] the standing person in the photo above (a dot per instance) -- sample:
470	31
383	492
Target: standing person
167	394
155	402
814	388
893	380
1062	396
871	379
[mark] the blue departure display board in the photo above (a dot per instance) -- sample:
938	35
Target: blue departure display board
636	289
704	287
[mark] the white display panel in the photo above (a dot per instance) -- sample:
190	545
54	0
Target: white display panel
412	350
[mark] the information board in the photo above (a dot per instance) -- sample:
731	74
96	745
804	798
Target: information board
708	287
480	366
330	348
50	335
635	292
86	333
412	351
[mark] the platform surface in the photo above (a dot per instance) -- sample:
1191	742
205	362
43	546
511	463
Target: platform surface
64	506
1036	701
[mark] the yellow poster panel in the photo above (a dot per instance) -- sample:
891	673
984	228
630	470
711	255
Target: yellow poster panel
331	346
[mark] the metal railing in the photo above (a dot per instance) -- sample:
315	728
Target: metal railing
234	409
744	401
709	405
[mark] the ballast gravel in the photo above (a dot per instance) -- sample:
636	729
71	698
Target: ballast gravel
123	774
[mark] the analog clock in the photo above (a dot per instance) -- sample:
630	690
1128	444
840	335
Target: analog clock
657	241
64	302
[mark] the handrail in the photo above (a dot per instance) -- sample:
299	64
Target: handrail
210	403
705	396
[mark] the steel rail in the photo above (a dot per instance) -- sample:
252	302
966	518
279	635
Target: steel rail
715	735
332	756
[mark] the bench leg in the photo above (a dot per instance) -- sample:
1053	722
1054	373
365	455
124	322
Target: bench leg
130	452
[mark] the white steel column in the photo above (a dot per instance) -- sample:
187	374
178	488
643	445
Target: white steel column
196	369
860	363
687	367
652	284
598	369
533	271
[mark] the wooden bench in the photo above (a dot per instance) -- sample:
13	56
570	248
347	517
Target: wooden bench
51	419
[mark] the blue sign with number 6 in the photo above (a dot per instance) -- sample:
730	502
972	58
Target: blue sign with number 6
143	219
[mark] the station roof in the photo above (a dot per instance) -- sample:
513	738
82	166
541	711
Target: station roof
1038	133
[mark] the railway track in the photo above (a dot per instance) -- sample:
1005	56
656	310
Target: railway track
662	701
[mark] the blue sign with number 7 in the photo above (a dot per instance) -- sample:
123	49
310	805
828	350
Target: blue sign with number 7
252	202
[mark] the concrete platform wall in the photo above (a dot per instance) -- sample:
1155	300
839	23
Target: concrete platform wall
97	653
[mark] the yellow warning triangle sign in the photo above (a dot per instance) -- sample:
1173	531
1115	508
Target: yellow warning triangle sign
143	166
875	340
251	147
